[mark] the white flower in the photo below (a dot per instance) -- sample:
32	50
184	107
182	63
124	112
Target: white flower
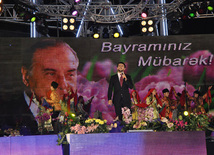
164	119
169	125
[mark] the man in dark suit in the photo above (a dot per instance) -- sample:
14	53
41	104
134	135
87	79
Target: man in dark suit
16	114
121	83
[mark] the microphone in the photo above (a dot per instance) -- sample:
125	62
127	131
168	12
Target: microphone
122	75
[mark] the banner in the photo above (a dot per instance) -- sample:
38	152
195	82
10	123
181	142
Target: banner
153	62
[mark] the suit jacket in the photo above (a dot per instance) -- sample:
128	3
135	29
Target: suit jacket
15	113
120	92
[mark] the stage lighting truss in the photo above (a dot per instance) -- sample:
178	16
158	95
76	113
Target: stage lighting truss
99	12
203	9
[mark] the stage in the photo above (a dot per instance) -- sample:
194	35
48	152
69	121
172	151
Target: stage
136	143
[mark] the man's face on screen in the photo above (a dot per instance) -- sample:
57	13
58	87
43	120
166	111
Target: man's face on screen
57	64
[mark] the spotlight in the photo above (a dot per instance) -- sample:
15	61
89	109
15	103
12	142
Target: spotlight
210	6
143	14
143	23
150	22
1	6
73	11
147	26
68	23
105	33
95	35
27	15
20	11
192	14
203	8
65	27
33	18
193	9
186	113
42	27
144	29
116	34
77	1
175	26
151	29
72	20
71	27
65	20
185	15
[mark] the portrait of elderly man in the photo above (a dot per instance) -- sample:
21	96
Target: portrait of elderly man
46	61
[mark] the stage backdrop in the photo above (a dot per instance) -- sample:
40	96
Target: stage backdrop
152	62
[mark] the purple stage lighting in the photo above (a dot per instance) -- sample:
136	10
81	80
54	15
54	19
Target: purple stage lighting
74	13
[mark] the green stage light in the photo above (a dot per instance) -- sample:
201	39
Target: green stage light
33	19
210	8
192	15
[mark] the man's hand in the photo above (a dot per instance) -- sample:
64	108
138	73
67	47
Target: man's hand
210	87
124	76
110	102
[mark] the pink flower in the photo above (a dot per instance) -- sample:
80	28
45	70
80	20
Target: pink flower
175	73
193	73
160	82
102	69
181	123
98	89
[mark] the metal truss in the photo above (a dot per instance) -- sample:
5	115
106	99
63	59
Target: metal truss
99	12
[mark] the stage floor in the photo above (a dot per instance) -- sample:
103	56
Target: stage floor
140	143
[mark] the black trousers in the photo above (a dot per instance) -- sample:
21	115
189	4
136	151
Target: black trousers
118	108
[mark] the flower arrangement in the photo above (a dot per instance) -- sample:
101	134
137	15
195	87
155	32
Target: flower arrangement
127	114
192	122
90	126
145	114
77	125
9	132
44	120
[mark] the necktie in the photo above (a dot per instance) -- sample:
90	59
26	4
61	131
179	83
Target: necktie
121	80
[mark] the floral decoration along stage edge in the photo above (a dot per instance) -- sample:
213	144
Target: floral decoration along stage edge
192	122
